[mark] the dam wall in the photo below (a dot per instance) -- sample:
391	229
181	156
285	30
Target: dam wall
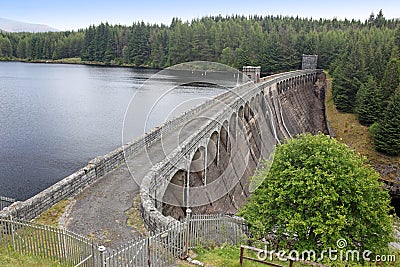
241	134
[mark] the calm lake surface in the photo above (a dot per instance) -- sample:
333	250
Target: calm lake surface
54	118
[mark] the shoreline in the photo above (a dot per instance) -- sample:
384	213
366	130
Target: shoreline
76	61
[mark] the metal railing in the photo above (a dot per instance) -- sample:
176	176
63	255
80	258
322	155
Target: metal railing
217	229
159	248
163	247
48	242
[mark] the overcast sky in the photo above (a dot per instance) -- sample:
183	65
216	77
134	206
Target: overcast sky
76	14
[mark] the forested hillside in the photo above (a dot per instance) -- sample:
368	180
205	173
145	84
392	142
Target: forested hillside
275	43
363	57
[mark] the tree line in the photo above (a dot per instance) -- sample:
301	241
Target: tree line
273	42
363	57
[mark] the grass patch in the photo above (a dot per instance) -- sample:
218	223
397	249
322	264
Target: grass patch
221	256
349	131
11	258
72	60
53	215
135	218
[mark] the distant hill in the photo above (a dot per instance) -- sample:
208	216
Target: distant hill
19	26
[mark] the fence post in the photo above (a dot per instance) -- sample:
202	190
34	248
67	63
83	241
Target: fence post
102	250
94	254
149	258
241	255
12	232
187	233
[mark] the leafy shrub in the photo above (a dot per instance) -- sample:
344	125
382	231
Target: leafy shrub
317	192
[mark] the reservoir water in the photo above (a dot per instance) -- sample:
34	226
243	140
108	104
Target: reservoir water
54	118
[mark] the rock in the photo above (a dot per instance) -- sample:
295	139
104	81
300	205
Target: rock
199	263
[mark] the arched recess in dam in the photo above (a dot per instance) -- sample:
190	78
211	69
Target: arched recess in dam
219	171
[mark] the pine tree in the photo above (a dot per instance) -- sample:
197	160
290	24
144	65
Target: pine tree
242	58
100	42
349	75
397	38
376	63
197	41
380	20
179	44
21	48
139	45
88	44
391	78
273	52
5	47
110	51
157	55
227	56
387	134
369	102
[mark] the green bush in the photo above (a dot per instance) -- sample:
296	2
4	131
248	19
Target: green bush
317	192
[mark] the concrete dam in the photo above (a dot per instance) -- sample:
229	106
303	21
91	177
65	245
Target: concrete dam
201	160
210	171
